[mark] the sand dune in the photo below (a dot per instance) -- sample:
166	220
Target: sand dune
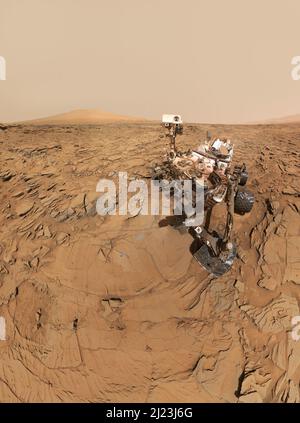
81	117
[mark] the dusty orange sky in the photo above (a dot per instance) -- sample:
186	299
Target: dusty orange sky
211	61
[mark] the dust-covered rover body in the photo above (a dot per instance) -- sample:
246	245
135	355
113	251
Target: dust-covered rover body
211	166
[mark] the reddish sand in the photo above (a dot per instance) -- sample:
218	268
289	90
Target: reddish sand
116	308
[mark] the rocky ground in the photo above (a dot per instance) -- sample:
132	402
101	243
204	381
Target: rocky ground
116	308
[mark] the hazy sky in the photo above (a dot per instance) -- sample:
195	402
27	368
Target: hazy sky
210	60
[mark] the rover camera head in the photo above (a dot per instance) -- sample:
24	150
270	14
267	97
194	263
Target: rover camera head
173	121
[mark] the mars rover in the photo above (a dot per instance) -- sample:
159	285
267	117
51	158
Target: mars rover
211	165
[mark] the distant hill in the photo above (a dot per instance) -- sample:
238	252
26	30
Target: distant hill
285	119
85	116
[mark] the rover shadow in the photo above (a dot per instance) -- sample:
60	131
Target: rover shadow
196	244
175	222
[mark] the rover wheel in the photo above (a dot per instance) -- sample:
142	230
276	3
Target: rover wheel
243	201
243	178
